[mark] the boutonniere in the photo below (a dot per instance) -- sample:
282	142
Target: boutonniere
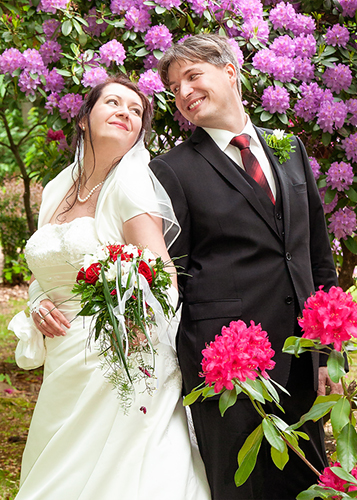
281	143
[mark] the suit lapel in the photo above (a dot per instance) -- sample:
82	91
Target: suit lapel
205	146
280	170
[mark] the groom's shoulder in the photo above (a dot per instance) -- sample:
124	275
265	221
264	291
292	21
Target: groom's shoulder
184	149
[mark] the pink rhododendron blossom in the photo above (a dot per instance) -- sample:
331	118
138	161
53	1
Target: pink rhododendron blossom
93	27
329	479
331	115
256	27
304	70
183	123
54	135
158	37
339	176
237	51
150	82
343	223
199	6
264	60
70	105
33	61
54	81
349	7
283	46
51	28
50	51
10	60
350	146
137	19
150	62
52	5
27	83
240	352
275	99
352	109
329	316
337	35
119	6
283	69
52	102
282	16
315	167
302	25
249	8
94	76
338	78
112	51
305	45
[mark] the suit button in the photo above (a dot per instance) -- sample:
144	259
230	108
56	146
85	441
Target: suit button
288	256
288	300
278	216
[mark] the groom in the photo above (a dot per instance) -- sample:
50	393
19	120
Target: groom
254	247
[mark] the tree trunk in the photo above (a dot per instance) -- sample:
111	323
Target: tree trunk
345	277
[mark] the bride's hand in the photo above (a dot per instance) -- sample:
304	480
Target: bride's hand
49	320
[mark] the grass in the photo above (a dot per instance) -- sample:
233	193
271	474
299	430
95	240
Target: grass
18	394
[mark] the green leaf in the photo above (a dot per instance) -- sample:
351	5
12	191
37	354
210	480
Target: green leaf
253	390
283	118
270	388
340	415
226	400
346	447
77	27
247	463
329	195
265	116
255	437
158	54
341	473
64	72
326	138
160	10
352	194
142	52
67	27
272	435
245	82
192	397
336	366
280	459
351	244
315	413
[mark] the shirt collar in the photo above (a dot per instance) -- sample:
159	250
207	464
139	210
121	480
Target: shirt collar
223	137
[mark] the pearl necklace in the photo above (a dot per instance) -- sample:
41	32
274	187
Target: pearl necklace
83	200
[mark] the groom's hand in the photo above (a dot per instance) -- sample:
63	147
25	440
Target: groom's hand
325	381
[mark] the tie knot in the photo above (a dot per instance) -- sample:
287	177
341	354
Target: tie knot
241	141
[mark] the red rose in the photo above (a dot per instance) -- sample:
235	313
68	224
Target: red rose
114	251
146	271
81	275
92	273
113	292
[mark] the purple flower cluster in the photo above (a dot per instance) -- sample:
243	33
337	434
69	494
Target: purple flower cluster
51	28
199	6
328	207
275	99
150	82
282	16
283	69
158	37
336	247
183	123
248	8
349	7
27	83
339	176
94	76
137	19
112	51
50	51
52	102
11	60
343	223
305	45
315	167
33	61
337	35
331	115
93	28
150	62
120	6
264	60
52	5
69	106
352	109
338	78
255	27
350	146
283	46
54	81
169	4
303	25
304	69
312	97
237	51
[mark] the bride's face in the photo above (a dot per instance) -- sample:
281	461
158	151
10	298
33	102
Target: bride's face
116	116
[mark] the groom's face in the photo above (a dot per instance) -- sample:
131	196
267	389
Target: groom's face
204	93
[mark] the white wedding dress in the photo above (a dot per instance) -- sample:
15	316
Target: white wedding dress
80	445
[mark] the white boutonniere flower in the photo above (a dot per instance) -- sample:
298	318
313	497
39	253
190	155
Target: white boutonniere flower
281	143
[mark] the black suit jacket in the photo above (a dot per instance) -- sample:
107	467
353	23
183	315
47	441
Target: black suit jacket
246	258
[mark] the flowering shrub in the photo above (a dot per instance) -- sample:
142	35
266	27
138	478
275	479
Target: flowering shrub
298	64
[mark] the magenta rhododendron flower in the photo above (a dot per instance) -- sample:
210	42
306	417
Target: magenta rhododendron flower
329	479
240	352
329	316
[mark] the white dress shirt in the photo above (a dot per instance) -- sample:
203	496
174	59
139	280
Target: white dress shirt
223	138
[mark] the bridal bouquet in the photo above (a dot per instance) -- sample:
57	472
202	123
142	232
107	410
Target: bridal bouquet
125	289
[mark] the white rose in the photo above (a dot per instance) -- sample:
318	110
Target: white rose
111	272
148	255
131	249
279	134
88	261
102	253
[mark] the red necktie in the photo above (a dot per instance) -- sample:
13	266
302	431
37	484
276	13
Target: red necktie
251	164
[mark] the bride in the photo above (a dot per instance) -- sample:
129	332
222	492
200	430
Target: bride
80	445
